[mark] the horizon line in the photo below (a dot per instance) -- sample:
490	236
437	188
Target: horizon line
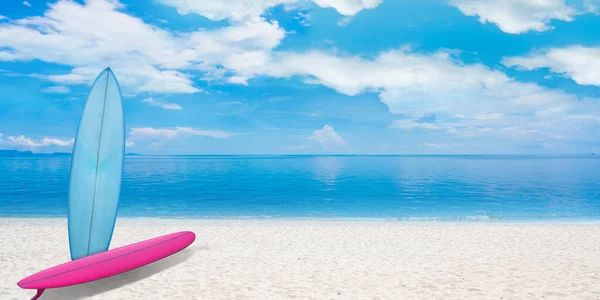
354	154
314	154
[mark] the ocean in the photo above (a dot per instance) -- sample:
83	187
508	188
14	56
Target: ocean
485	188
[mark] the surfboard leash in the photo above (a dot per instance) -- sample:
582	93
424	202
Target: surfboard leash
38	294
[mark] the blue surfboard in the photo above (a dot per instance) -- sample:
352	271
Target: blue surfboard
96	169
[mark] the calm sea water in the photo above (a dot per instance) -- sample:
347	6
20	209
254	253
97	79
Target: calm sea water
444	188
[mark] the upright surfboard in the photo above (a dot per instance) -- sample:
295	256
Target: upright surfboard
96	169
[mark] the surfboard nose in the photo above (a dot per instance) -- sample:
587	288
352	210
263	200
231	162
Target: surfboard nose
193	235
23	282
109	71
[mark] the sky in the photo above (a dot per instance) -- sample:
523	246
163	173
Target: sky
308	76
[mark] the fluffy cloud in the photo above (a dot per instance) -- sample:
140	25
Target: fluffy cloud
56	89
348	7
26	142
79	36
468	99
217	10
517	16
26	3
243	49
420	84
582	64
161	104
327	137
145	58
241	9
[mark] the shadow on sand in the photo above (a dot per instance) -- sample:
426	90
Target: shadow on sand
82	291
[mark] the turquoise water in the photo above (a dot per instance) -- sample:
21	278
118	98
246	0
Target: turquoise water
438	188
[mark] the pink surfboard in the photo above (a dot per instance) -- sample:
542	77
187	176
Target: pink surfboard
109	263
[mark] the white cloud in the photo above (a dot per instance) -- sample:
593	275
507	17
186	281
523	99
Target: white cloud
3	17
136	79
139	132
26	3
418	84
145	58
327	137
217	10
56	142
348	7
582	64
164	105
236	10
27	142
244	48
56	89
129	143
468	99
517	16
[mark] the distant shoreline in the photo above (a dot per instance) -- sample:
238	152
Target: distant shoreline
18	153
242	219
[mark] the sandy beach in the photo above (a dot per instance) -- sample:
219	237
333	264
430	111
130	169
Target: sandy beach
325	260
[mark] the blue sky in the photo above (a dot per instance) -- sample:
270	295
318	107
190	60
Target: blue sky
308	76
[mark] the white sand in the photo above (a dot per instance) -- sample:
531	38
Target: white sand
325	260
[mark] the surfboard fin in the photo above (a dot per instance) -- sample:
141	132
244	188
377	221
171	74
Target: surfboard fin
38	294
